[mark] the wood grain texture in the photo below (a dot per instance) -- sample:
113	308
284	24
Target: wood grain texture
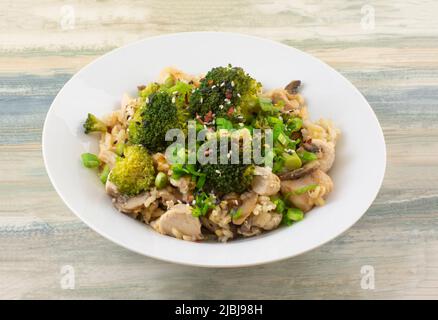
395	66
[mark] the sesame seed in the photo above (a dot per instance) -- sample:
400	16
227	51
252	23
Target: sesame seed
241	124
238	95
193	202
213	86
232	83
147	100
175	92
221	107
218	172
201	100
222	84
173	100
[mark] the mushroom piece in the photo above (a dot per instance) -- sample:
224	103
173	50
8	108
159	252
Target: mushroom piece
264	182
129	204
179	223
308	199
325	152
301	172
111	188
249	202
293	86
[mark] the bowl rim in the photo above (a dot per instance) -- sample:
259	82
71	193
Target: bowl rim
197	264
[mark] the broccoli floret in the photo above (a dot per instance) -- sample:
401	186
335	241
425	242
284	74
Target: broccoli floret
225	91
226	178
93	124
135	172
152	120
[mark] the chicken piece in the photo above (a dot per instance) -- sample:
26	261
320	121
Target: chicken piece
325	151
249	202
179	223
290	103
160	162
307	200
264	182
184	184
266	220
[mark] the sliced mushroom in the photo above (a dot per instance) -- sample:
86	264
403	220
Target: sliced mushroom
179	223
293	86
264	182
111	188
249	202
129	204
301	172
307	200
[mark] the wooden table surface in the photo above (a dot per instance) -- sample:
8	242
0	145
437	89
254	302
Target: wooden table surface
393	60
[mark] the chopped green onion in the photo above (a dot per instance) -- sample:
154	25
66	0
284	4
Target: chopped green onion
222	123
161	180
277	130
178	171
292	161
283	139
278	165
280	205
201	181
203	203
236	213
266	104
274	120
90	160
295	214
295	124
305	189
120	148
104	174
307	156
169	82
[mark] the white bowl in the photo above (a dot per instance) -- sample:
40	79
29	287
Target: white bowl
97	88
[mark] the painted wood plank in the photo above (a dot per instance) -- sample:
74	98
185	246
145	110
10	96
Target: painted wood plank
394	65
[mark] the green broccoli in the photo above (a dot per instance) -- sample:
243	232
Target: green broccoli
152	120
225	91
226	178
135	172
93	124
